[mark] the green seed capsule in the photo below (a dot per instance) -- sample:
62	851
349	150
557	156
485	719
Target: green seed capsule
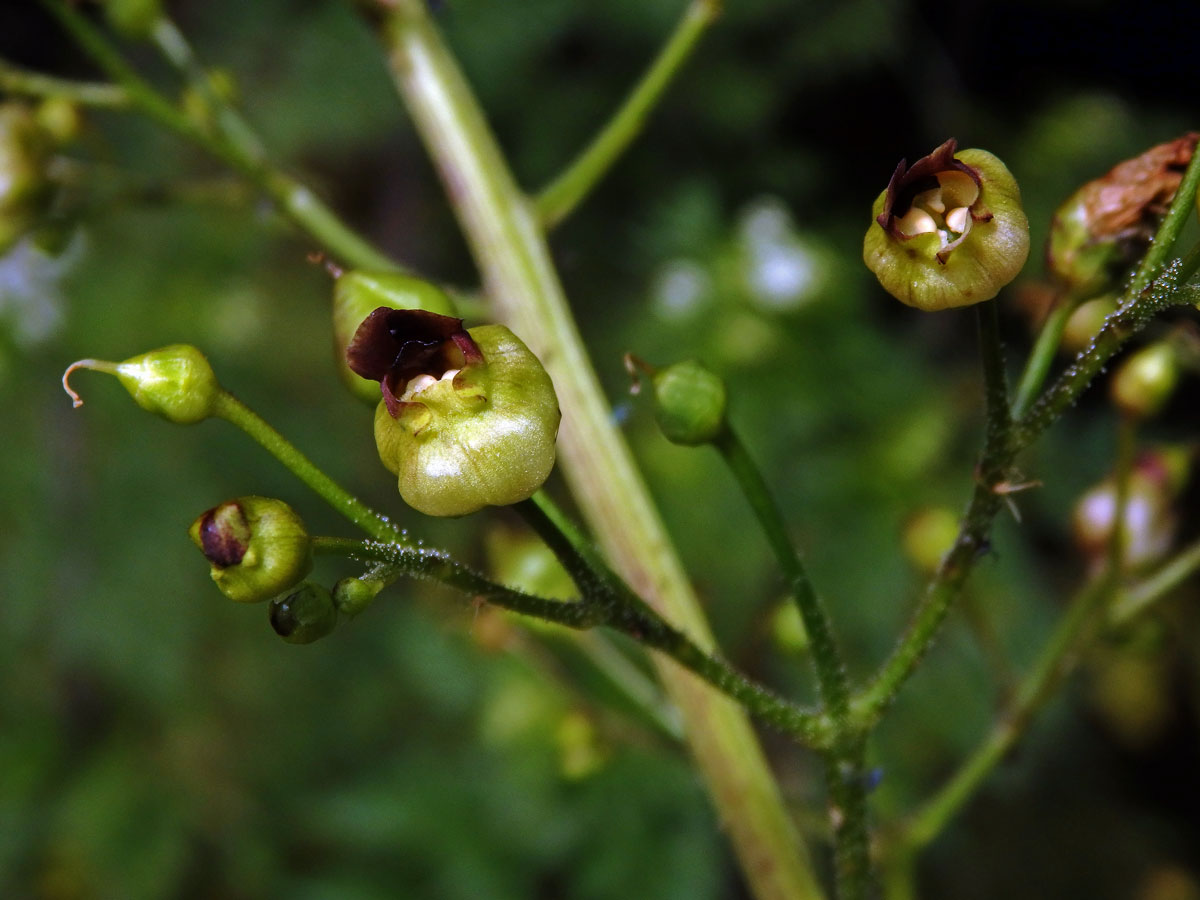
468	419
303	615
257	546
174	382
356	295
949	230
689	403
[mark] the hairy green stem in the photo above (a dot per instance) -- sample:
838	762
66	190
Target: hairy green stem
509	245
1054	663
561	196
1042	355
293	199
972	540
237	413
826	655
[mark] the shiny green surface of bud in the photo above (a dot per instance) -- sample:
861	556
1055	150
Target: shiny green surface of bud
469	418
303	615
257	546
949	230
357	294
175	382
352	595
1144	382
689	403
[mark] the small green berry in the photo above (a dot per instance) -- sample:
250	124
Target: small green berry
1144	382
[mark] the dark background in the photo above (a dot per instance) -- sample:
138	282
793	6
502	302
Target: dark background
159	741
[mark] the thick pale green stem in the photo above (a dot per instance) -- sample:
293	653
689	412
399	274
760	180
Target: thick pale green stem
509	246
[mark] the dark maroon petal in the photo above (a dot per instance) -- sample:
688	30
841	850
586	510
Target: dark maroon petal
224	535
403	343
908	181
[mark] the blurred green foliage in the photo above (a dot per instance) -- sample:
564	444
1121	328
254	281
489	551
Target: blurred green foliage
157	741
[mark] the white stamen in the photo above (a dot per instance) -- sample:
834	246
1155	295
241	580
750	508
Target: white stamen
959	220
916	221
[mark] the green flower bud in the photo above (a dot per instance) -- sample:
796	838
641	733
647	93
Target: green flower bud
174	382
468	418
689	403
1108	223
60	118
24	189
356	295
258	547
352	595
948	231
1144	382
303	615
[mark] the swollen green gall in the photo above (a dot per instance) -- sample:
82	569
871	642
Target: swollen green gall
174	382
1107	224
257	546
468	418
948	231
690	403
356	294
303	615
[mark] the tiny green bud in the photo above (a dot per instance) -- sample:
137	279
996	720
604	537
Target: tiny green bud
689	403
303	615
357	294
352	595
60	118
1144	382
948	231
175	382
257	546
1108	223
468	419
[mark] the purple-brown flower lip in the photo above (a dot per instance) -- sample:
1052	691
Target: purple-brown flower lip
224	535
394	346
936	194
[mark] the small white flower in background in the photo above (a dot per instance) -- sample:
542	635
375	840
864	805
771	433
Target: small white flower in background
31	299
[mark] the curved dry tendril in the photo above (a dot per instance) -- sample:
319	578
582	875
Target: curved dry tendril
96	365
